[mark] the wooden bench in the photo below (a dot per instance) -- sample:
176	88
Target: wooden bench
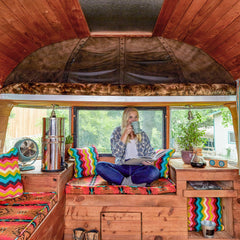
48	223
127	216
152	217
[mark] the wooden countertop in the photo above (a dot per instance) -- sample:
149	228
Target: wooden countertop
178	164
38	171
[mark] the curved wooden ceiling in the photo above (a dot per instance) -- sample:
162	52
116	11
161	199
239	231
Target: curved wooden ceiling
211	25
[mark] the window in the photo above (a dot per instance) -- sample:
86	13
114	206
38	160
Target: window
231	138
27	122
219	135
94	126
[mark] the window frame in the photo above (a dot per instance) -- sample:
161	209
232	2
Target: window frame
75	121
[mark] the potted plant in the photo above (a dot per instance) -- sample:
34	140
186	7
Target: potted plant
68	144
189	136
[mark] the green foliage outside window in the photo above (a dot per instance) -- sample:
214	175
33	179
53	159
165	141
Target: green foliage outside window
96	126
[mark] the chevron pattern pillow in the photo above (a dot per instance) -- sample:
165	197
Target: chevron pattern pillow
85	161
163	162
204	209
10	177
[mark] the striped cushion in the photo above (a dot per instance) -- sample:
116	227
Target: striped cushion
21	216
10	177
96	185
163	162
85	161
204	209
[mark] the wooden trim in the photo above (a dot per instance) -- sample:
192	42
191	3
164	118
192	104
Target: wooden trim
72	121
168	127
52	227
5	110
212	193
164	200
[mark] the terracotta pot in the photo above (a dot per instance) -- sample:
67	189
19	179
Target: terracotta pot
187	156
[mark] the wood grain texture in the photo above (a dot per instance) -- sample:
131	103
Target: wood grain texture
210	25
157	217
52	227
205	24
28	25
125	221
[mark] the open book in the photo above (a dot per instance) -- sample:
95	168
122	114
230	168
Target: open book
137	161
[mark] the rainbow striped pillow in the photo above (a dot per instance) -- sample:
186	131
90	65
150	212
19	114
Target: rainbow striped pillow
163	162
85	161
204	209
10	177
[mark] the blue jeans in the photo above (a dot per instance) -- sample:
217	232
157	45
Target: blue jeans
114	174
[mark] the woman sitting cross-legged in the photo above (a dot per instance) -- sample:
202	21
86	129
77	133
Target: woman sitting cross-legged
125	144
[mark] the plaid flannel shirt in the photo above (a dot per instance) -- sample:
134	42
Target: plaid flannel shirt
118	148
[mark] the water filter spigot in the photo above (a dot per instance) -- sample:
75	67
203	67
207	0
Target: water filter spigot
53	114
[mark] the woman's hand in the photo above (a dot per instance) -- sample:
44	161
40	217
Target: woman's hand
128	131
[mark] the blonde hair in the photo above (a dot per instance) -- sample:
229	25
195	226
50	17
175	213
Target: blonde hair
125	117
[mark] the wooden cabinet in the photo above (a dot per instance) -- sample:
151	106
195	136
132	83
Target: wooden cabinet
151	217
52	227
121	225
225	177
38	181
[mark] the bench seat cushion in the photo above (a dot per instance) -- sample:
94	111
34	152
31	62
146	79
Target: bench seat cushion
97	185
19	217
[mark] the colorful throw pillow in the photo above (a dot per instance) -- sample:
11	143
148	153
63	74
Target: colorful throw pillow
10	177
163	162
85	161
204	209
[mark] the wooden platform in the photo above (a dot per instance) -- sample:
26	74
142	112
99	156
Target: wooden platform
52	227
149	217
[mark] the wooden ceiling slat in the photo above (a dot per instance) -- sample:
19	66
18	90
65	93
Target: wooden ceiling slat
225	36
164	16
39	23
204	12
52	24
6	61
187	20
204	32
8	41
233	62
208	41
8	48
14	34
181	8
235	72
57	18
228	49
76	17
21	20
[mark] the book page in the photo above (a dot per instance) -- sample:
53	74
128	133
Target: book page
137	161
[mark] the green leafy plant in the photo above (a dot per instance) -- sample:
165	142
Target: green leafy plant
189	134
69	139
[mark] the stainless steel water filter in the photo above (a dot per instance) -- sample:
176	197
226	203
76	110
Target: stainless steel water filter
53	144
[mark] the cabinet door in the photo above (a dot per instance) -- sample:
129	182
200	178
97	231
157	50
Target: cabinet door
121	225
